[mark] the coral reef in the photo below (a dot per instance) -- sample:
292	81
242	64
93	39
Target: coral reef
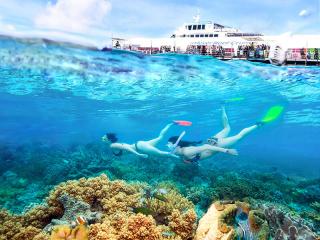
284	226
115	202
24	185
72	209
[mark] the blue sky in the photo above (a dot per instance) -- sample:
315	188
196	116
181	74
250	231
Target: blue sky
96	20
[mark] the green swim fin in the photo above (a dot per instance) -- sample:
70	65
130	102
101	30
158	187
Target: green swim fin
272	114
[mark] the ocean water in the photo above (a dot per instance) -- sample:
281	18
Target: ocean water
61	95
57	96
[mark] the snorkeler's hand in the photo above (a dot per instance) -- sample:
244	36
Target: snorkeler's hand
232	152
143	155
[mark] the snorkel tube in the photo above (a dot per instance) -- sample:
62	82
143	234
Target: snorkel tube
174	146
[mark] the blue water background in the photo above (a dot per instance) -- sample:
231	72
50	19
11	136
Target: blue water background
60	95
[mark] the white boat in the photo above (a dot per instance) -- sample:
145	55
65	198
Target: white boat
199	33
208	33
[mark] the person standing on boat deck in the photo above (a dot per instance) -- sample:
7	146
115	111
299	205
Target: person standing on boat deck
140	148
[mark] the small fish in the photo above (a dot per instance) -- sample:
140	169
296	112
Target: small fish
162	191
160	197
148	193
168	234
142	200
143	210
81	220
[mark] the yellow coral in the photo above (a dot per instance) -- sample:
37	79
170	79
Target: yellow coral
183	224
140	227
115	200
64	232
174	200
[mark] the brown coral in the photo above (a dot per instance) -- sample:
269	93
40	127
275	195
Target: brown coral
183	224
116	201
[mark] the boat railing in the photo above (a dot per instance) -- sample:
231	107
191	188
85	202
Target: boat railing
261	53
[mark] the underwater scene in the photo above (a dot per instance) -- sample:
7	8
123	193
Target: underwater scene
242	160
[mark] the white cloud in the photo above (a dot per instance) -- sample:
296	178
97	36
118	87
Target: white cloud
77	16
304	13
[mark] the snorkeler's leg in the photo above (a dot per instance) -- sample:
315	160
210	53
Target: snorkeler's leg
204	149
226	127
229	141
155	141
151	150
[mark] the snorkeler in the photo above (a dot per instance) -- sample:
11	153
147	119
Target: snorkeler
191	152
140	148
217	143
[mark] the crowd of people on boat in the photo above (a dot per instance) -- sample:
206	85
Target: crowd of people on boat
253	51
213	50
242	51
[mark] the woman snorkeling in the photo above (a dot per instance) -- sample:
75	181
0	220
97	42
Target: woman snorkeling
189	152
217	143
140	148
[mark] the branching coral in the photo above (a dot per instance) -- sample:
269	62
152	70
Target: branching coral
183	224
115	200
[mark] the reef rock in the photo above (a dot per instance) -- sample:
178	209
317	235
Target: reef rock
72	209
285	227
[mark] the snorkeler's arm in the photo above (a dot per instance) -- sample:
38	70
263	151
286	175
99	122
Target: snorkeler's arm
216	149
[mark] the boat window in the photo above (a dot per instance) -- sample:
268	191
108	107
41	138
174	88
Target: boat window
191	35
183	35
216	35
206	35
194	27
201	35
203	26
199	26
189	27
211	35
197	35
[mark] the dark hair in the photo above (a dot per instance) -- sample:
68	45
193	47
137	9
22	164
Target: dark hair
112	137
183	143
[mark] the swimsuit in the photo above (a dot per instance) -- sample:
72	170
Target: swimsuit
195	159
136	146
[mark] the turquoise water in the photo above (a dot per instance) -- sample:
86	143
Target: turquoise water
60	95
57	101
